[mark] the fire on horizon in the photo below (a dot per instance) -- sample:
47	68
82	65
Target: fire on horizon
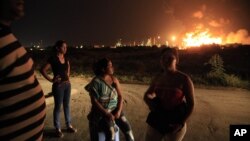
177	22
211	23
200	37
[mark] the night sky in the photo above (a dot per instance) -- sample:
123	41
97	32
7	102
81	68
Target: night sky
107	21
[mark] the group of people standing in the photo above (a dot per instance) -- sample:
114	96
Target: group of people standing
22	103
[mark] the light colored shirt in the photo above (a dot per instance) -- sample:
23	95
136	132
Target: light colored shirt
106	94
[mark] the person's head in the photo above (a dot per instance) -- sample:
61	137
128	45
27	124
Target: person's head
169	57
11	10
60	47
103	66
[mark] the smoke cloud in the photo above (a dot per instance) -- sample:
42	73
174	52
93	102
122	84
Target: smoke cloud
240	36
223	18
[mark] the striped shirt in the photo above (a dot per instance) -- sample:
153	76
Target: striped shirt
106	94
22	102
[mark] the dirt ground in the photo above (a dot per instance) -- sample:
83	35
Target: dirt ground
215	110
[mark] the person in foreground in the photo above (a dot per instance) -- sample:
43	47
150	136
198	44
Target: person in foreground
61	87
107	103
170	98
22	102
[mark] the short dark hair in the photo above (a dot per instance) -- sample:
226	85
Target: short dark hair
171	50
100	65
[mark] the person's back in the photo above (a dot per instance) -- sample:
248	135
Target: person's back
22	102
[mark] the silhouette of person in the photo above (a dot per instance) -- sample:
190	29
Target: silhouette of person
170	100
22	101
61	87
106	99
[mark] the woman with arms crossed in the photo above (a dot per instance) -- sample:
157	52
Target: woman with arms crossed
170	100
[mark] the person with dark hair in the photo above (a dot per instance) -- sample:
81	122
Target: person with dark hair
170	100
61	87
107	103
22	101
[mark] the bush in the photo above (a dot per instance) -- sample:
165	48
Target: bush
234	81
217	67
216	80
218	77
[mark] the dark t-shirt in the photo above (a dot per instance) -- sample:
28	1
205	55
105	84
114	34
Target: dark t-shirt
59	70
161	120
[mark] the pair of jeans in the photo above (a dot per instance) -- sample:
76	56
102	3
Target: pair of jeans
61	92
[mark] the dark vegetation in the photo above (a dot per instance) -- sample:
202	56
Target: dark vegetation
208	65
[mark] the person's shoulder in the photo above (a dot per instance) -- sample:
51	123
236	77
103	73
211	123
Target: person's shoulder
183	75
96	79
114	79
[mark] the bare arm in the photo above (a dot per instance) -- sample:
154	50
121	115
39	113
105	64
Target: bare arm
150	95
97	104
120	98
44	71
68	69
188	91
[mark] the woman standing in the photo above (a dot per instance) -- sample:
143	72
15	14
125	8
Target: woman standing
106	99
61	87
170	100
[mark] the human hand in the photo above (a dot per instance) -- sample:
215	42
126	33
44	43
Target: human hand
117	114
57	79
110	116
151	96
176	127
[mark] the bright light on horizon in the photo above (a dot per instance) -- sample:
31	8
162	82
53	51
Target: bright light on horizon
173	38
200	37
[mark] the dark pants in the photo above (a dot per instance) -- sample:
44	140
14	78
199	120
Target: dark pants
61	92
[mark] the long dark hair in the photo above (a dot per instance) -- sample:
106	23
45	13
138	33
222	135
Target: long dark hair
57	45
100	66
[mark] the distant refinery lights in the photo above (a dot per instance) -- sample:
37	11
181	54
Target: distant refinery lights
147	43
195	38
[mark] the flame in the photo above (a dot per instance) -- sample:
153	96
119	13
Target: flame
199	38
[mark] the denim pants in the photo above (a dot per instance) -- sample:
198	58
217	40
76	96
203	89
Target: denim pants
61	93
